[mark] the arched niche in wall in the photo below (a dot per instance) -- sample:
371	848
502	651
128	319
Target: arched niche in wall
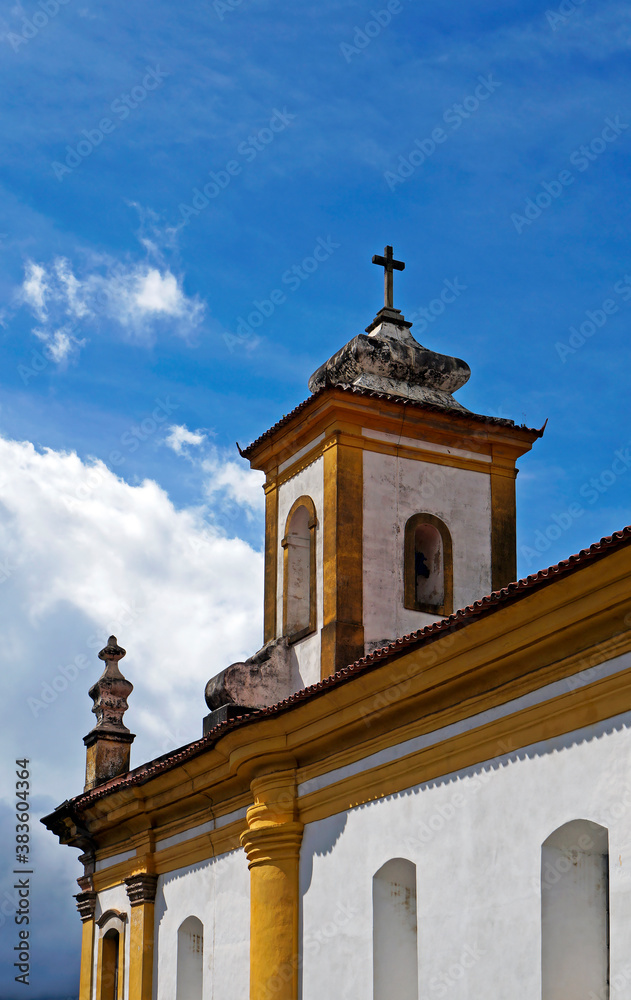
190	959
428	565
395	947
299	570
110	965
575	912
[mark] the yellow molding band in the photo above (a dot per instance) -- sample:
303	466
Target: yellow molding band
189	852
426	720
567	713
387	414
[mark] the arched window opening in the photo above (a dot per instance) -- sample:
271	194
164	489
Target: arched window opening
109	965
111	955
428	565
395	948
190	959
575	912
299	585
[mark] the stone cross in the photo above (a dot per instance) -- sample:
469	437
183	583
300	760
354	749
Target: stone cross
389	265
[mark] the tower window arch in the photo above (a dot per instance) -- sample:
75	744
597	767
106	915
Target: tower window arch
299	565
190	959
428	565
395	947
575	912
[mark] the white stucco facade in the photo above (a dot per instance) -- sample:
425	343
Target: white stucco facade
476	839
394	490
217	892
306	652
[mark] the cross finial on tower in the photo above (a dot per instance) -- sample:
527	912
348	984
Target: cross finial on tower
389	265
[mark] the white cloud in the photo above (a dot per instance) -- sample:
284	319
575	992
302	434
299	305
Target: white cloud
139	299
179	436
82	555
59	344
35	288
229	487
226	478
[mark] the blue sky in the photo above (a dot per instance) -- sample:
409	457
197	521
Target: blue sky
124	286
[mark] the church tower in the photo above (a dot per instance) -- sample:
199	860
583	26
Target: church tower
389	505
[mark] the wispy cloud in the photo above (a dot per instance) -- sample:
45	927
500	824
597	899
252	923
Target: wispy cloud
179	437
139	299
224	482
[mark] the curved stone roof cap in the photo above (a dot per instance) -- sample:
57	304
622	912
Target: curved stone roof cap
387	359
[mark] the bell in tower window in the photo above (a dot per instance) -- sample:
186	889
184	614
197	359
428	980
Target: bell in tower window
428	570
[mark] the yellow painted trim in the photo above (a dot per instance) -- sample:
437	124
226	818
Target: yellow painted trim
503	527
427	719
386	415
87	960
271	547
307	502
419	454
141	951
342	638
272	844
557	717
189	852
423	455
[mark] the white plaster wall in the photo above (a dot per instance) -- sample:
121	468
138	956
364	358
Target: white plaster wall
394	490
476	840
217	892
306	653
112	899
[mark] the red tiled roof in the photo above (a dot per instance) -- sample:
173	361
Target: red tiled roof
459	619
369	394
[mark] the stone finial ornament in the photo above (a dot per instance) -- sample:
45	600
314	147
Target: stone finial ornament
111	691
108	744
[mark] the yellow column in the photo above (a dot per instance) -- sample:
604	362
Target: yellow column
271	558
86	905
503	520
272	844
342	523
141	890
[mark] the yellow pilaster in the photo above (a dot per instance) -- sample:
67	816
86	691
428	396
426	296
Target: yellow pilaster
141	890
86	905
271	557
503	520
272	844
342	522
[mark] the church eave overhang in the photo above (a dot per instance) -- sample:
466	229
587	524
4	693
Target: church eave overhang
459	418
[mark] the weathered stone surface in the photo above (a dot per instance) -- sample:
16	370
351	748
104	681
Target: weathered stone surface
390	360
111	691
108	743
261	680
